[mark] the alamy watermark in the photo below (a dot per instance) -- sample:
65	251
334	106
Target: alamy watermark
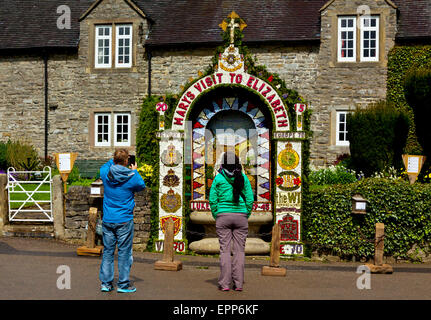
64	280
64	20
364	280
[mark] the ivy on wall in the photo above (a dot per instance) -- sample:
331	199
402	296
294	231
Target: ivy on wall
401	60
147	151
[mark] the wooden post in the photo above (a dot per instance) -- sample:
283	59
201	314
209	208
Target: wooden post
379	266
4	215
379	244
274	260
274	268
58	207
91	249
168	246
168	262
91	231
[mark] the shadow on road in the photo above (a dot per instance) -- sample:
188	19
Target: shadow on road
6	249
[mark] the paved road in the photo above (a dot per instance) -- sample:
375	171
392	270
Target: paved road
28	271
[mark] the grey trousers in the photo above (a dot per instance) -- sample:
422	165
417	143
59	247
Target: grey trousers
232	231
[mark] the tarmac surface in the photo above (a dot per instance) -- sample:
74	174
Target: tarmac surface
30	269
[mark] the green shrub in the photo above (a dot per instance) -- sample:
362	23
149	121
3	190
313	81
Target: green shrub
377	136
81	182
74	175
3	153
333	175
147	151
22	156
330	227
417	89
147	145
401	60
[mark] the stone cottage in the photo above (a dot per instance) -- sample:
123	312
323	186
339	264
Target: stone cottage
73	74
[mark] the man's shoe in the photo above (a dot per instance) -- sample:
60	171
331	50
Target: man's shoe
129	289
106	289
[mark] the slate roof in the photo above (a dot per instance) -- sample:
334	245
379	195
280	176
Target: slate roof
414	20
176	21
33	23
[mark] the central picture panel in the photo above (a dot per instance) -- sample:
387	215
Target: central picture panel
236	120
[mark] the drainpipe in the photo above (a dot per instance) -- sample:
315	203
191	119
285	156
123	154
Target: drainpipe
45	62
149	56
148	51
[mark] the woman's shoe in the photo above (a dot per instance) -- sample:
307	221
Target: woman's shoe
223	289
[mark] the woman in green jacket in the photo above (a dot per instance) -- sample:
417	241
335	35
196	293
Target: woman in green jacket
231	200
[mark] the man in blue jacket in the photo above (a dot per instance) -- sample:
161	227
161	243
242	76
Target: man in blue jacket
119	183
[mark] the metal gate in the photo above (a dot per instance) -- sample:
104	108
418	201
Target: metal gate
30	195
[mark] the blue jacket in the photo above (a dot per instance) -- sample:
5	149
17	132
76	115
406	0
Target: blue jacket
119	185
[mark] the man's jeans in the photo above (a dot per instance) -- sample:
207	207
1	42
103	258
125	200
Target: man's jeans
120	234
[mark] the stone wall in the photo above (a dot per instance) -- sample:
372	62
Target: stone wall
22	99
297	65
76	216
78	203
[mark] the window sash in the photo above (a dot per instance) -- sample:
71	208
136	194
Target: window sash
123	48
102	129
369	38
341	129
103	46
123	129
347	39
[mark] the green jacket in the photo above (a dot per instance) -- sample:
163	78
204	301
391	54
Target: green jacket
221	196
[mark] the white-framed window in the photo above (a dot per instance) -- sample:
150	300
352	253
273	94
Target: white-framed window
102	132
341	129
123	54
103	45
122	131
347	39
369	38
112	129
